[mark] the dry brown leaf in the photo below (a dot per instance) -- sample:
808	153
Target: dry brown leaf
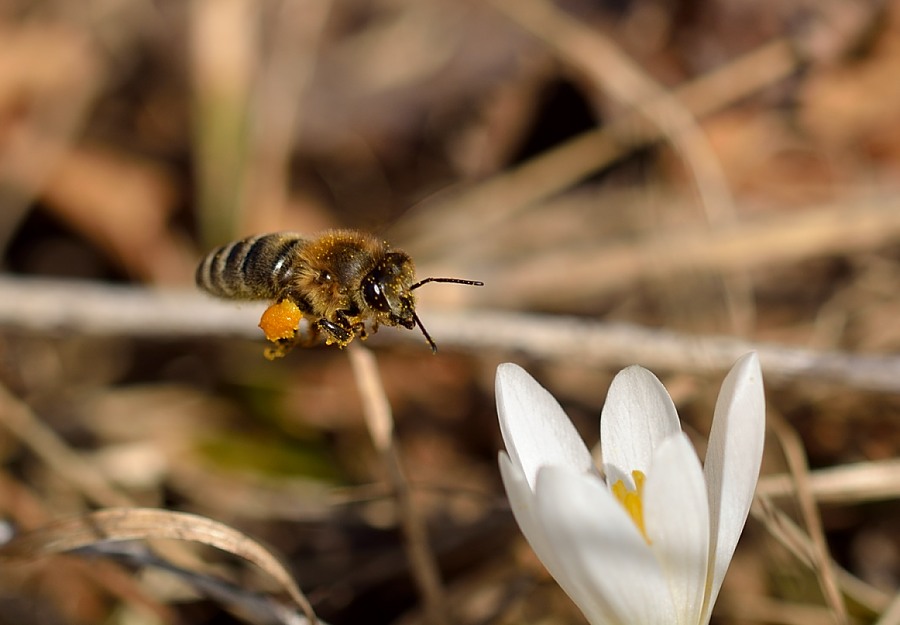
119	524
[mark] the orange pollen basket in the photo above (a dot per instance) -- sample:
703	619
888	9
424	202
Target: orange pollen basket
280	320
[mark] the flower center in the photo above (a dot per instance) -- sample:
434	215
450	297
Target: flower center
631	500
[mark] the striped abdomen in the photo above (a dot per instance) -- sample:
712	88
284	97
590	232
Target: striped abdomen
258	267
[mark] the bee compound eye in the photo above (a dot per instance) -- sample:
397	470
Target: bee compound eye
373	294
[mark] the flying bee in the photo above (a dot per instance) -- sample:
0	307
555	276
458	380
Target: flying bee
338	281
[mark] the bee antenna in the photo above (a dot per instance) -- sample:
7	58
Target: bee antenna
426	281
425	332
453	280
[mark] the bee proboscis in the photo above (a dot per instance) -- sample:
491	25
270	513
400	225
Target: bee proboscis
339	281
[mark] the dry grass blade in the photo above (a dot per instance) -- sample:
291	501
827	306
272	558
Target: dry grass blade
118	524
377	411
70	465
795	540
796	459
379	420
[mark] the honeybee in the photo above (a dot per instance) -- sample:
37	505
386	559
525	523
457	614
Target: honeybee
338	281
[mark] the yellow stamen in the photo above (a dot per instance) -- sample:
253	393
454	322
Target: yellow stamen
632	500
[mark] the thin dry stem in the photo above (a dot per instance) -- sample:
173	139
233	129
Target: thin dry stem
862	482
796	460
379	420
377	409
95	309
795	540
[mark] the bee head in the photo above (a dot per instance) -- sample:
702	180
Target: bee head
386	290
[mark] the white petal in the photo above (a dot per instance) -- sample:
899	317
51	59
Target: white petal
602	550
732	463
637	416
535	429
523	504
676	515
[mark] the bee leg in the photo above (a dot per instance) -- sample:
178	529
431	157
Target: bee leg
336	333
353	324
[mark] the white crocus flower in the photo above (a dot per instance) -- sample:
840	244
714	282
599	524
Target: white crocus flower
650	543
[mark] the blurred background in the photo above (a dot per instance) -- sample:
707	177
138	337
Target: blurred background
706	168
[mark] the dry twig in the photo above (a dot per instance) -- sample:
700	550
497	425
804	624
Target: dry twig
54	307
